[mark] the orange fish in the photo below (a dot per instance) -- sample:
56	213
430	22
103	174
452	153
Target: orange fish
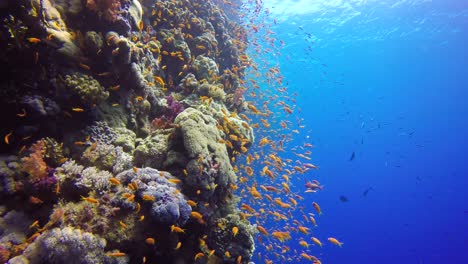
177	229
150	241
316	241
35	200
335	241
89	200
116	254
33	40
317	208
7	137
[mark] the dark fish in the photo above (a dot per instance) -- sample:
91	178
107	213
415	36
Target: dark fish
366	191
352	156
343	199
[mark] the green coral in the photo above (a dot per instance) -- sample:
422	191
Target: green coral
205	68
93	42
240	244
125	139
87	88
201	138
215	91
53	153
152	151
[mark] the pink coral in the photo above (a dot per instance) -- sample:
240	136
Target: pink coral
109	9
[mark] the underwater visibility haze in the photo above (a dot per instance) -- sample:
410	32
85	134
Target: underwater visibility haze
217	131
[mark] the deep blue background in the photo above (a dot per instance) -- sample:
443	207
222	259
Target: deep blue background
399	101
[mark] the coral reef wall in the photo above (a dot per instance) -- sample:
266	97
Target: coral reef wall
122	121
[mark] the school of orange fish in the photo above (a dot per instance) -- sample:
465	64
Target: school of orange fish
269	176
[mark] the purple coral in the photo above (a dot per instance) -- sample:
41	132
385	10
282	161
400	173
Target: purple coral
174	108
169	205
239	96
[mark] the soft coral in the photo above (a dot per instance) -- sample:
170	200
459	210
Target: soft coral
109	9
34	164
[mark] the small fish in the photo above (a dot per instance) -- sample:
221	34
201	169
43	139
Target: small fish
147	197
199	255
90	200
177	229
316	241
22	114
335	241
317	208
34	224
114	181
352	156
122	224
343	198
150	241
7	137
84	66
366	191
35	200
197	216
178	246
116	254
33	40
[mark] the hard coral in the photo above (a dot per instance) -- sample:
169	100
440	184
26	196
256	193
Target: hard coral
67	245
168	204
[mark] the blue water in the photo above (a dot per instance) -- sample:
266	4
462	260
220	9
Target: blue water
388	82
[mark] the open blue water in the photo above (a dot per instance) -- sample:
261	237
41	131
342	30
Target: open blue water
387	80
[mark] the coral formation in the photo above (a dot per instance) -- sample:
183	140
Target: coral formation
126	123
67	245
86	88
